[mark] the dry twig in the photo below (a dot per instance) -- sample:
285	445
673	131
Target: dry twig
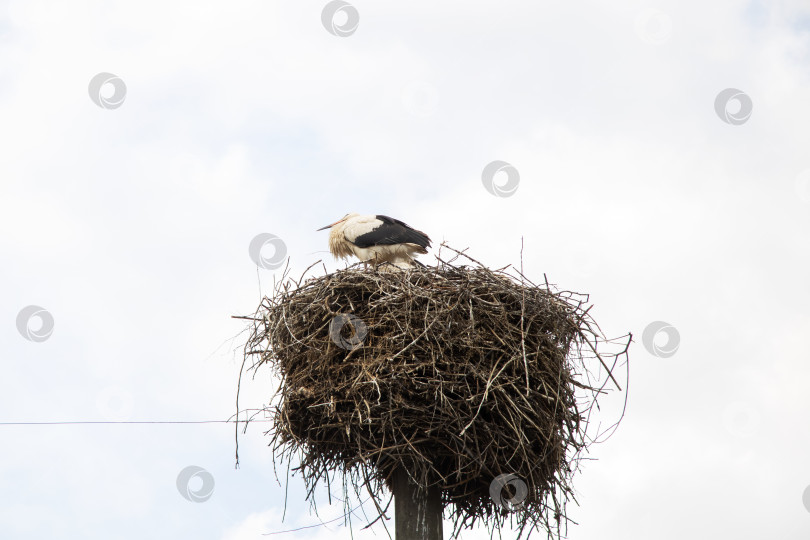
464	374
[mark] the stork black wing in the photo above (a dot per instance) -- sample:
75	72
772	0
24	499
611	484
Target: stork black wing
392	231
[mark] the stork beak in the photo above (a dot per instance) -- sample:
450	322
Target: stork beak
335	223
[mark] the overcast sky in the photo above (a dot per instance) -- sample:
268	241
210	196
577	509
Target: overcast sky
126	215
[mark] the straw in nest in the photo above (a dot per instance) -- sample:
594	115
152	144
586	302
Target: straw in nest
463	376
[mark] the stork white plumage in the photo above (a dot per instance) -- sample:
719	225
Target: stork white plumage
376	240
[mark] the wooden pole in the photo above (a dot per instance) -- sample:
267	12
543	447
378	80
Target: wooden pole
417	512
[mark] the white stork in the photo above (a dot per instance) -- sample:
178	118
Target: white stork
376	240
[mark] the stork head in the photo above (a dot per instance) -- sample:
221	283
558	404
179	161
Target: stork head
341	220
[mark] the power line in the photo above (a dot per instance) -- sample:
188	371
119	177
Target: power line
73	422
106	422
307	526
322	523
249	414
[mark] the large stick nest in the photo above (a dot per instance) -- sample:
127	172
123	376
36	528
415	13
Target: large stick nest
457	374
